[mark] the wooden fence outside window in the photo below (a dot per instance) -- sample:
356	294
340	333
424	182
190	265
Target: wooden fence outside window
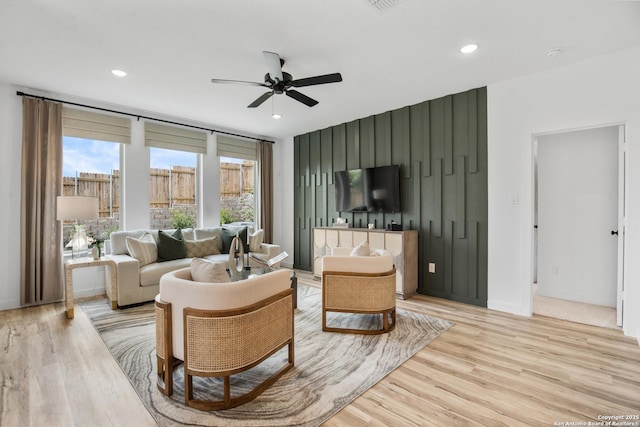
168	187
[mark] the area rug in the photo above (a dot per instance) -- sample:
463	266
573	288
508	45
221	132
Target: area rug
331	369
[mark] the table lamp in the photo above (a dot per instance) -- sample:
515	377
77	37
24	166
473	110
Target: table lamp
76	208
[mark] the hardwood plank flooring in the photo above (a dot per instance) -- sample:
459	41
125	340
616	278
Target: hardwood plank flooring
489	369
58	372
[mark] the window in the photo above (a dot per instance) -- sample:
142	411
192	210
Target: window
173	174
90	167
238	172
237	190
172	189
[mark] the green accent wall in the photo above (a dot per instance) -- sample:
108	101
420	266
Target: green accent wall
441	146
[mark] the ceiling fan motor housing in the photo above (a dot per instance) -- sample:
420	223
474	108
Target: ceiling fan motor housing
278	87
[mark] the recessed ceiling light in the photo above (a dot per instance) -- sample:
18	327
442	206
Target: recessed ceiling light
118	73
276	116
469	48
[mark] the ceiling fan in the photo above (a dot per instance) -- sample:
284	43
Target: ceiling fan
279	82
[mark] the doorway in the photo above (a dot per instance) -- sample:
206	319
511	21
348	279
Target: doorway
579	204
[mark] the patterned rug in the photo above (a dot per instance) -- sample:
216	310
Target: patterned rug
331	369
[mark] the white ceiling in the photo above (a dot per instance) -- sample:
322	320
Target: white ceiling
404	55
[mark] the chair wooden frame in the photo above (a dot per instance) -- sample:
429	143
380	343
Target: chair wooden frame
208	353
360	293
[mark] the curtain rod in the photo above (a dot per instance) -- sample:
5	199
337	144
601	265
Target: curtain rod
139	116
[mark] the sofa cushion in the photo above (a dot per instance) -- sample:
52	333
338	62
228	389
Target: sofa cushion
188	234
150	274
143	249
255	241
170	246
201	248
203	270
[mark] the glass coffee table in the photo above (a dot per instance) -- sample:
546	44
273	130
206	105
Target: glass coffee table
247	273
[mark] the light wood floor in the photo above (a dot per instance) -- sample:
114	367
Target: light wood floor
489	369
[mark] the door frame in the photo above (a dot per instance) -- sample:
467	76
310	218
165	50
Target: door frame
622	213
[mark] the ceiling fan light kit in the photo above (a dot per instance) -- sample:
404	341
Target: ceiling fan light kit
279	82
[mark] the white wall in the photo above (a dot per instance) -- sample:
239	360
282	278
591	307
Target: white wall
10	161
596	92
283	197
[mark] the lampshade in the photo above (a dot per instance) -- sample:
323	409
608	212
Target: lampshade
76	207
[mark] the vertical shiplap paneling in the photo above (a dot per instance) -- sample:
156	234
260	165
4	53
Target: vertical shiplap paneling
461	197
448	135
326	166
367	142
383	139
416	133
448	264
438	207
353	144
305	233
339	148
326	221
383	144
426	137
314	153
436	129
401	139
326	153
297	210
472	273
473	131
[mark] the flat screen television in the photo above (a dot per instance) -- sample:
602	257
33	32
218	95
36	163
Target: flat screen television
368	190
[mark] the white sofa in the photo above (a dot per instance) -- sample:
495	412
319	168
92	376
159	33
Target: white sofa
137	284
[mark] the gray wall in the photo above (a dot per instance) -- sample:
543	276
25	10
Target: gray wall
441	146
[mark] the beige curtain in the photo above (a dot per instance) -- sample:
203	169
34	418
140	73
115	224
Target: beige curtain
40	256
265	168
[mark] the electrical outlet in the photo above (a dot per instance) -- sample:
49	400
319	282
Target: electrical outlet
432	267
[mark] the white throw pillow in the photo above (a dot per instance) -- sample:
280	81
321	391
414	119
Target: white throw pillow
203	270
255	241
361	250
143	249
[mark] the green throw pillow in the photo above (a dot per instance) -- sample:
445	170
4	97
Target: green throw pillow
227	236
171	246
229	233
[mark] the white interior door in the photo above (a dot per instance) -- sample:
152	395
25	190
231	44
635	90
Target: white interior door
578	207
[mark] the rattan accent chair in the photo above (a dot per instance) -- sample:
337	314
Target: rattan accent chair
360	285
222	329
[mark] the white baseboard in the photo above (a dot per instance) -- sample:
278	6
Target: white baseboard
507	308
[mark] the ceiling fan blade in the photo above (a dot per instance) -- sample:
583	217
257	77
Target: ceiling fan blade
309	102
274	65
317	80
261	99
242	82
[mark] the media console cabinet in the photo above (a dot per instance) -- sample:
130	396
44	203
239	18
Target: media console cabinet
403	245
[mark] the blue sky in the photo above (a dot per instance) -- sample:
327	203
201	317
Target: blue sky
87	155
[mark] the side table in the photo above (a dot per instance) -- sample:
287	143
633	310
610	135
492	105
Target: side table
111	289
